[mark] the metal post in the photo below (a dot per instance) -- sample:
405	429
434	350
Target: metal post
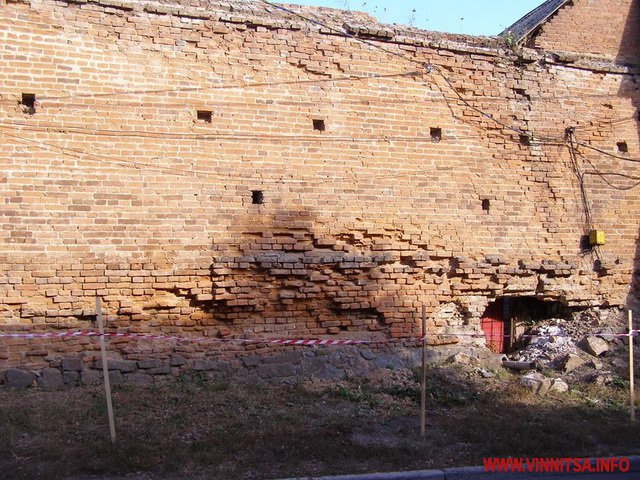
632	392
423	393
105	373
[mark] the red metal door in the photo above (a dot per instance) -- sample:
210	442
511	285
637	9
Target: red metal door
492	324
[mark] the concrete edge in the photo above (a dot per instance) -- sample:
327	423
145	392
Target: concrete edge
468	473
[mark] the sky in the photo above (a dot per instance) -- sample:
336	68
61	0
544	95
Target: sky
473	17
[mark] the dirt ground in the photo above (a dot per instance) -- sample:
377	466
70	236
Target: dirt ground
191	428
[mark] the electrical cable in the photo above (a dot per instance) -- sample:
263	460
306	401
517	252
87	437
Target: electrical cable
241	136
603	175
580	176
427	66
609	154
192	172
236	135
606	123
349	78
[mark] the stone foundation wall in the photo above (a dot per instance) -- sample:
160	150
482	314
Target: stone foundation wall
286	365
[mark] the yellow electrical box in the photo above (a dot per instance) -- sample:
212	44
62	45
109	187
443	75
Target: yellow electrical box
596	237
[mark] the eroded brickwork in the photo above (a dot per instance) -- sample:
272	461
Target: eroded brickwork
385	186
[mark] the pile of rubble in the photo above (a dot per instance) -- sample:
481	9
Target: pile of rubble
546	343
584	348
591	346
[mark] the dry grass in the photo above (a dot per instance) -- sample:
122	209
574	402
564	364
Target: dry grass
194	429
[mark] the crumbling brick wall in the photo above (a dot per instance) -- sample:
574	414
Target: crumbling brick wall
386	184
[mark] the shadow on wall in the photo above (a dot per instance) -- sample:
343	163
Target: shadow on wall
285	272
629	54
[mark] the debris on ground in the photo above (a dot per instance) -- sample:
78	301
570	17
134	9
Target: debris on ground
558	341
596	346
546	344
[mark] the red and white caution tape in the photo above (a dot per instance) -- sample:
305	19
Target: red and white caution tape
547	335
140	336
276	341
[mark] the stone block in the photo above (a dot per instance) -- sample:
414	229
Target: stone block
203	365
124	366
288	357
50	379
536	382
116	377
177	361
596	346
570	362
71	377
18	378
91	377
463	359
319	368
559	386
150	363
276	370
367	354
139	379
388	361
252	361
71	364
161	370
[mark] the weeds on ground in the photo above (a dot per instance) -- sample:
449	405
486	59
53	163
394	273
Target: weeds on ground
191	427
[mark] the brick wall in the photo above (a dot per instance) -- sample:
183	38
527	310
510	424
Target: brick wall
115	186
605	28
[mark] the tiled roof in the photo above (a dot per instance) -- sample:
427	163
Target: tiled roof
532	20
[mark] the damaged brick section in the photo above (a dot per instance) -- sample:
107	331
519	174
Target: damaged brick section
225	169
304	285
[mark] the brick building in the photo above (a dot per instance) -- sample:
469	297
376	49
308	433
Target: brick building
234	169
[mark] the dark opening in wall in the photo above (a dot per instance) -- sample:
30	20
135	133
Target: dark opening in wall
622	147
257	197
28	102
507	319
521	92
486	204
318	124
205	116
436	134
525	140
585	244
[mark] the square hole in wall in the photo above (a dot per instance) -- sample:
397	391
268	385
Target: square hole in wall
257	197
319	125
436	134
622	147
28	102
204	116
525	140
486	204
520	92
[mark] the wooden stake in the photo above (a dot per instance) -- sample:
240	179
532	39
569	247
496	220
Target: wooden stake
423	393
632	392
105	373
